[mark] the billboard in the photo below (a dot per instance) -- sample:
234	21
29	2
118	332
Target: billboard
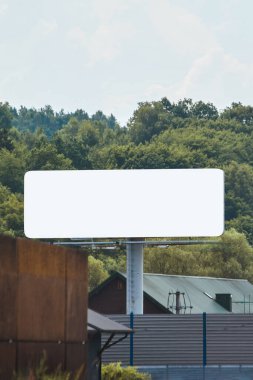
124	203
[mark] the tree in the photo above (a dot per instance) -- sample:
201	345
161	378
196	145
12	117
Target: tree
240	113
244	224
12	168
231	258
97	272
183	108
11	212
46	157
203	110
239	190
5	126
147	121
75	140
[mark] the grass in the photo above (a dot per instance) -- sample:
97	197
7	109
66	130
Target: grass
41	372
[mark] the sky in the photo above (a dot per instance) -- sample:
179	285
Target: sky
110	55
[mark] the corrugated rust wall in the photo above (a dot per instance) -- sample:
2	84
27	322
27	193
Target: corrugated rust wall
43	305
178	340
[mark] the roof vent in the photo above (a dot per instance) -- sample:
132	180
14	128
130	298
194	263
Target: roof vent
225	300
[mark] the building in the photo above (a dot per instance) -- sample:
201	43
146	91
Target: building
112	332
176	294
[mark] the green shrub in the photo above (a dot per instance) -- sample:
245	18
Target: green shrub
114	371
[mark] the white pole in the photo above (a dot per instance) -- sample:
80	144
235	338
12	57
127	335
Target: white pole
134	277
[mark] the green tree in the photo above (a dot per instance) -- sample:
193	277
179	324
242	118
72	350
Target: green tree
5	126
244	224
239	190
203	110
240	113
12	168
97	272
11	212
75	141
147	121
231	258
46	157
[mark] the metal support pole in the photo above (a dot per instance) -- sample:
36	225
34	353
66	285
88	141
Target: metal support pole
131	340
134	277
204	339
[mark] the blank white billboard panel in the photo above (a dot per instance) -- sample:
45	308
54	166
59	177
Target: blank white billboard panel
124	203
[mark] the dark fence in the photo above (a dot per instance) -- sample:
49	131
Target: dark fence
183	340
199	373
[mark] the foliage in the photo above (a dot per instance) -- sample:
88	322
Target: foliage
12	169
97	272
11	212
5	126
160	134
102	264
231	258
30	119
240	113
114	371
41	372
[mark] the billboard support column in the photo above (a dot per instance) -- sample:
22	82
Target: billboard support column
134	277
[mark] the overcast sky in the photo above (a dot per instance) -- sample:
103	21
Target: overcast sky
112	54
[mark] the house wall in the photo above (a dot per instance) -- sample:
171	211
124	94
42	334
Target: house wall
43	292
111	299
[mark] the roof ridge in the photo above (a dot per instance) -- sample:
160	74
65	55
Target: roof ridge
207	277
183	275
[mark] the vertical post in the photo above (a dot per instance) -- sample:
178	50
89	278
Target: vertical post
131	339
178	306
204	339
134	277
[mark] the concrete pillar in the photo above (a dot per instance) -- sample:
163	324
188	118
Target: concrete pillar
134	277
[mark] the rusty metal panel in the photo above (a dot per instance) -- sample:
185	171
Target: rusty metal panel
76	358
41	308
43	292
40	259
77	285
8	307
7	360
30	355
8	288
8	255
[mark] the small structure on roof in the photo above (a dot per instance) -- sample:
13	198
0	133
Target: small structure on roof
197	295
98	325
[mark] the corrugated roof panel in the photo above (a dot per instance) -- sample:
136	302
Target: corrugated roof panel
158	286
197	291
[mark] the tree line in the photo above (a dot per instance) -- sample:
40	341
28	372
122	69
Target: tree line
160	134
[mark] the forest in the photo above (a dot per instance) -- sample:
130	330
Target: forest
160	134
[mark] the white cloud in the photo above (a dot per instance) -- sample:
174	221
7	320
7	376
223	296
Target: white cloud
180	29
3	7
45	27
106	10
77	36
106	43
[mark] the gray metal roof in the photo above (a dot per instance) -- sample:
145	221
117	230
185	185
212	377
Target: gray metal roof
159	285
103	324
